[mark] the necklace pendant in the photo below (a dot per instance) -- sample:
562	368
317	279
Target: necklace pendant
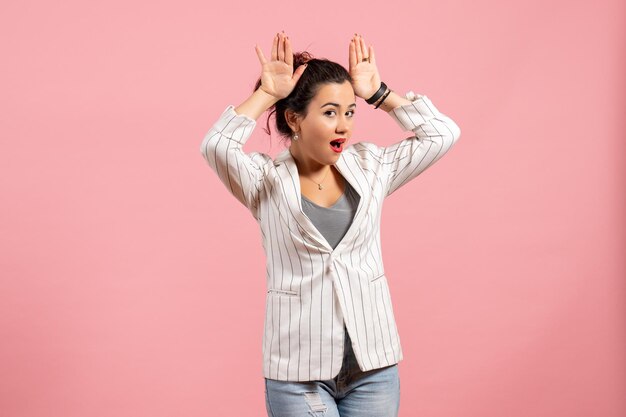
320	186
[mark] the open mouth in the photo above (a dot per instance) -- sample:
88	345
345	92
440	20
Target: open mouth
337	145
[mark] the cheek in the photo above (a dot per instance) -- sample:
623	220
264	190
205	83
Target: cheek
320	128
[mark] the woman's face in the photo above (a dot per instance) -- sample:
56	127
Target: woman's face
329	117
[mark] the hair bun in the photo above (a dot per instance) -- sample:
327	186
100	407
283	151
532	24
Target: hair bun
300	58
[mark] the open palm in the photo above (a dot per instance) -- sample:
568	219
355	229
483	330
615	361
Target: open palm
363	70
277	75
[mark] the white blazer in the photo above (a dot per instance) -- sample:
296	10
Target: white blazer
313	289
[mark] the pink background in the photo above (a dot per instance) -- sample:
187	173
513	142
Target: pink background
125	291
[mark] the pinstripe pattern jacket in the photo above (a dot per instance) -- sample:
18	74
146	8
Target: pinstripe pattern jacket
314	290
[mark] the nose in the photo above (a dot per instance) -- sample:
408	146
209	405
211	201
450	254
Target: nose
343	124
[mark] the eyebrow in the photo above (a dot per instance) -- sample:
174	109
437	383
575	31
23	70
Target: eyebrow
337	105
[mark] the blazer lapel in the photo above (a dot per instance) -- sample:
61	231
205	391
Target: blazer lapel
290	181
349	168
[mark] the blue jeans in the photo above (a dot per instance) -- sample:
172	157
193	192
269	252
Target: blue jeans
352	393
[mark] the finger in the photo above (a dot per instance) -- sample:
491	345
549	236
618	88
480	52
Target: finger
352	54
363	47
288	52
275	48
259	53
359	53
372	56
281	47
298	73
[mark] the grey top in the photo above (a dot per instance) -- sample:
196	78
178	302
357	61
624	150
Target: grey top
333	222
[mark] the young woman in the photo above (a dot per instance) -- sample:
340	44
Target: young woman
330	343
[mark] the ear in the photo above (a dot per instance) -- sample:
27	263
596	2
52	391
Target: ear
293	120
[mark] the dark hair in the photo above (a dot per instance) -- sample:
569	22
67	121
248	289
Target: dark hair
318	72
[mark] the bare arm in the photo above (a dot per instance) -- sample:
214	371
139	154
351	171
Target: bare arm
392	101
256	104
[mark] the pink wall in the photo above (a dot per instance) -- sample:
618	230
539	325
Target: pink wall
122	287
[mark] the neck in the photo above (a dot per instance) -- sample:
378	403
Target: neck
308	167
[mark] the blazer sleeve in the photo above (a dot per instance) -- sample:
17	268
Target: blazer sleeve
242	174
434	135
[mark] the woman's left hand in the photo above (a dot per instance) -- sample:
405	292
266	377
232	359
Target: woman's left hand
365	78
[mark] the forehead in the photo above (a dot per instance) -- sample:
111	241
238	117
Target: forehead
342	94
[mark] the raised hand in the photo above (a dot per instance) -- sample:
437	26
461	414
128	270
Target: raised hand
277	76
365	77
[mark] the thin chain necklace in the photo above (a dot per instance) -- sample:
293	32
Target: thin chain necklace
319	184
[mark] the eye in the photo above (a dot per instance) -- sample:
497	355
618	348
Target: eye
350	113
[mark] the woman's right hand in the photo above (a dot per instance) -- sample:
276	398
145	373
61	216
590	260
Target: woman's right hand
277	75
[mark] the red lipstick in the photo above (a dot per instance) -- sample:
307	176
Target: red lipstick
337	144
